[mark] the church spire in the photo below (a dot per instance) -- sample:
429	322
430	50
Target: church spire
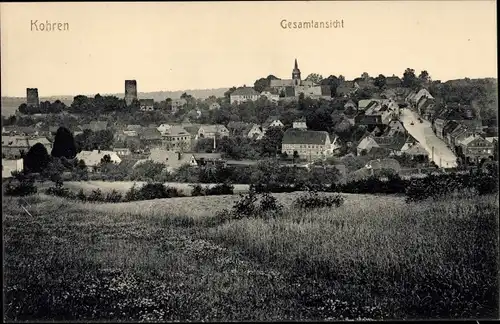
296	74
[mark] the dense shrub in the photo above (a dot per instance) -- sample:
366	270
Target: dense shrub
59	190
246	206
313	200
198	190
96	195
220	189
113	196
443	185
22	188
152	191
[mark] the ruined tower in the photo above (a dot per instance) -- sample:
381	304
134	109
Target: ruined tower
32	97
296	74
130	91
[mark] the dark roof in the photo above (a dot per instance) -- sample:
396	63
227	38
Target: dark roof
294	136
150	133
394	142
450	127
392	81
245	91
148	102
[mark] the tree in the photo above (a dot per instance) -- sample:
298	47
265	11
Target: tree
424	77
380	81
64	144
37	159
314	77
365	75
227	94
409	78
295	156
271	142
106	159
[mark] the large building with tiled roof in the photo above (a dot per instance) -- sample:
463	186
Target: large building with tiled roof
308	144
244	94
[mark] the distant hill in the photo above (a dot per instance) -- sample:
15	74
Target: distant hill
10	104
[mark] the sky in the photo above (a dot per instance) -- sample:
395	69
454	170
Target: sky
204	45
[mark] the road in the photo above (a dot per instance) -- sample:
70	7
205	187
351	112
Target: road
422	132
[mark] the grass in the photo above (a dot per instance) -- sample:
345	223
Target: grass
123	186
374	257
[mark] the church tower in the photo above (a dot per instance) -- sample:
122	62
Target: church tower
296	74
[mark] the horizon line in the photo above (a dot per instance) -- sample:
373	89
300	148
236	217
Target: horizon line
216	88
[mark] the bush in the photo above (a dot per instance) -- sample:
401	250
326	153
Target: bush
81	195
313	200
23	188
113	196
220	189
152	191
444	185
269	205
59	190
198	190
245	207
96	195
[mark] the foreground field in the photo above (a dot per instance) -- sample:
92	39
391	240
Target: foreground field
374	257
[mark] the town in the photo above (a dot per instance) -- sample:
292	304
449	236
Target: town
408	126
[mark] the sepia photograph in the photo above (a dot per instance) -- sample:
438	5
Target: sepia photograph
261	161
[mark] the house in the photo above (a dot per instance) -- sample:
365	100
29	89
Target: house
375	114
422	93
393	82
9	166
272	121
448	129
132	130
122	151
457	134
192	129
439	125
414	150
350	104
253	131
171	159
389	145
20	131
395	126
300	123
271	95
14	147
211	131
244	94
177	104
163	128
150	137
146	104
383	164
306	143
177	139
476	147
208	159
426	107
93	158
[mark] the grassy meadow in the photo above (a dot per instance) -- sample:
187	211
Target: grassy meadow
375	257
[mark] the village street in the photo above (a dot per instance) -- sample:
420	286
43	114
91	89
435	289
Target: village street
422	132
